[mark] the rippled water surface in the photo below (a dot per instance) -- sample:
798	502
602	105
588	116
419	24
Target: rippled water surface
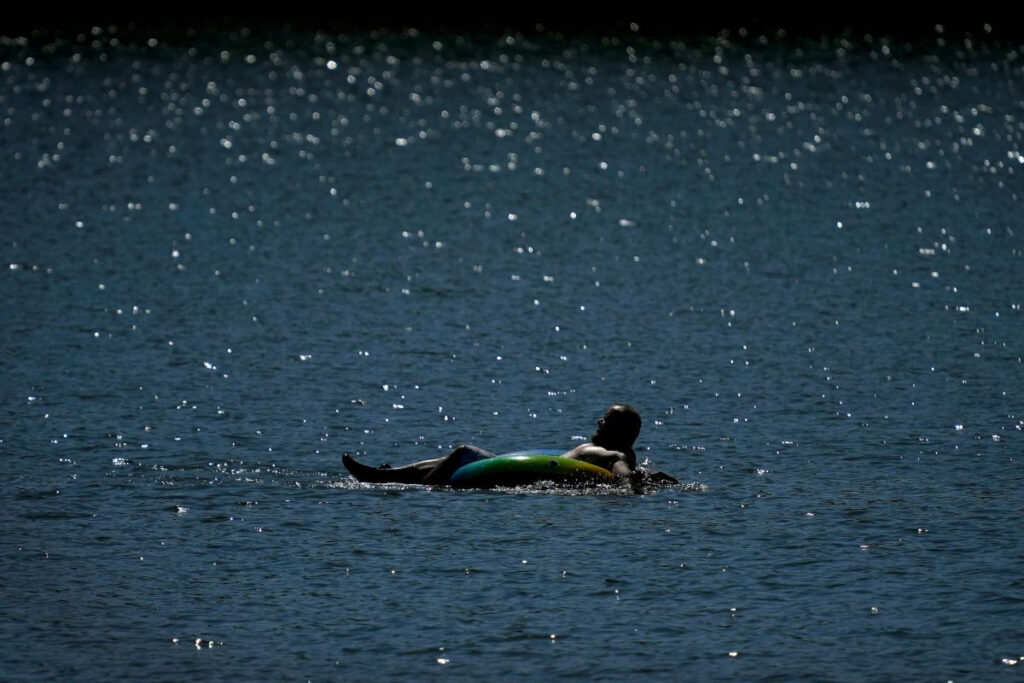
231	256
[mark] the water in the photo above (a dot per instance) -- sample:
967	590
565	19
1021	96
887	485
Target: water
230	256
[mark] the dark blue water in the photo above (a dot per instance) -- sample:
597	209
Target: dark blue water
230	256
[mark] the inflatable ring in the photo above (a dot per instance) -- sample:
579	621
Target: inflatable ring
523	468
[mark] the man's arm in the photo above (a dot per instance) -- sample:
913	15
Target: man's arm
618	463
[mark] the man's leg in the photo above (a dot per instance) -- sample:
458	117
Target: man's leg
407	474
435	471
442	472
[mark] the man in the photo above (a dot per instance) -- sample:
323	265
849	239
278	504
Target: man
611	447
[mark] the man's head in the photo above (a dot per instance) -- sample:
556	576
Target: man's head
618	428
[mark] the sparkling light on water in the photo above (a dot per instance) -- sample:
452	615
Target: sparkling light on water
232	255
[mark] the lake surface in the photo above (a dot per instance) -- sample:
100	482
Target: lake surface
229	256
